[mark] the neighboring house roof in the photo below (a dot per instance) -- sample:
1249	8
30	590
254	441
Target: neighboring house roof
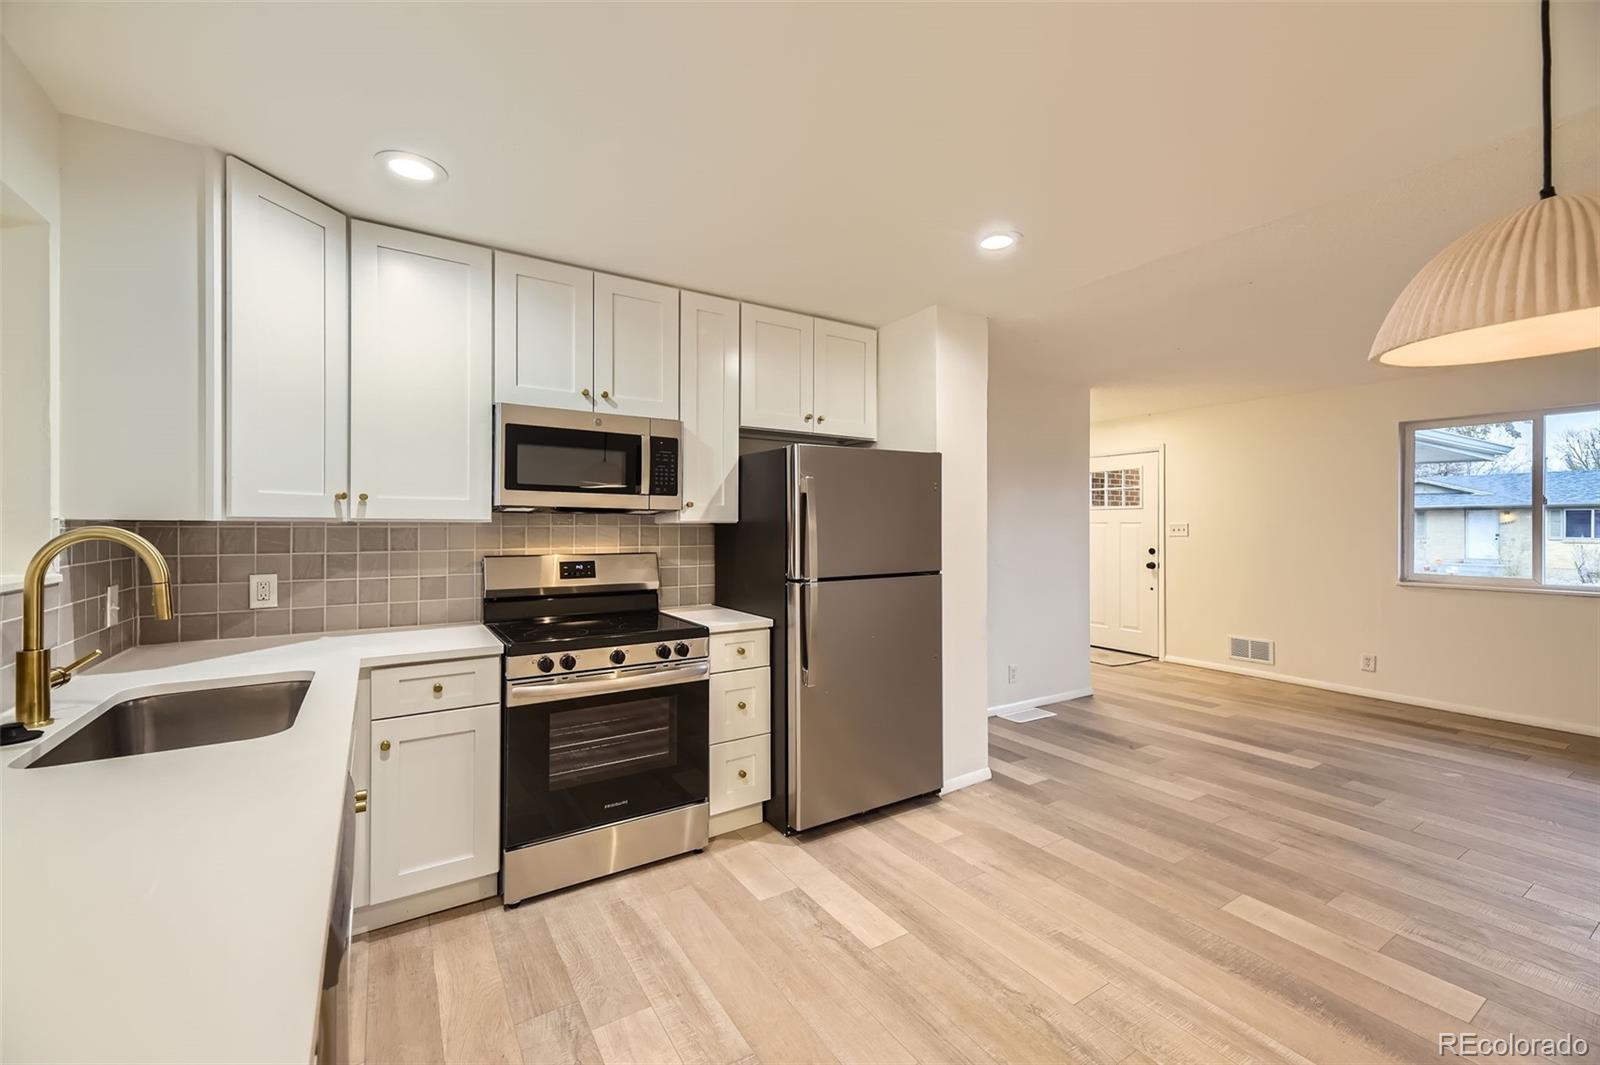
1441	445
1563	488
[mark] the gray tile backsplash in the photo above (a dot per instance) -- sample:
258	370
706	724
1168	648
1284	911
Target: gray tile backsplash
75	611
372	575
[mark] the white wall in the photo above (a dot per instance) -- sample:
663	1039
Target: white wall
1293	508
933	373
31	207
1038	538
140	329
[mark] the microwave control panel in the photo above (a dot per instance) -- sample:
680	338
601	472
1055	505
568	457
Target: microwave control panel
663	465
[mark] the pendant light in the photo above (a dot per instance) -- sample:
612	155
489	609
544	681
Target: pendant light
1525	285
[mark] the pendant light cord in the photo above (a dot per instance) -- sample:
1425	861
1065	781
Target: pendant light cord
1549	189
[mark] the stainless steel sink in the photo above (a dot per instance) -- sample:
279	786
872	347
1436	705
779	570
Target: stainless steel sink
173	720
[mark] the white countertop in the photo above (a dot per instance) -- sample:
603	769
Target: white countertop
720	618
173	906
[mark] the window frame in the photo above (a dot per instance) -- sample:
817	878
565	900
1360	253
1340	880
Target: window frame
1538	505
1594	527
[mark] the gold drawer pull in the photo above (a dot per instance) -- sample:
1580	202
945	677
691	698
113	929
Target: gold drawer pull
739	650
743	774
362	497
341	496
743	705
384	746
361	807
361	796
586	393
438	689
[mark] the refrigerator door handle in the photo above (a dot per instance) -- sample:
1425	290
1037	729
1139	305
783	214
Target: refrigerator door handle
808	529
808	613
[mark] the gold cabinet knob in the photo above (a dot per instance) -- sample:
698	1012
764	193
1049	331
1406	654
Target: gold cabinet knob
739	651
604	394
384	746
821	418
743	705
688	504
438	689
361	807
743	774
361	801
586	393
808	417
341	496
362	497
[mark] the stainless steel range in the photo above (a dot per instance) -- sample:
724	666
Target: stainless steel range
606	719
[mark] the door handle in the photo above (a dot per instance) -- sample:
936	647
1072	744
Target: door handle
808	529
808	618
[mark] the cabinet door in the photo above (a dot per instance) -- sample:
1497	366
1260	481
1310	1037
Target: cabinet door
708	391
775	370
288	359
421	414
434	802
635	347
543	333
846	360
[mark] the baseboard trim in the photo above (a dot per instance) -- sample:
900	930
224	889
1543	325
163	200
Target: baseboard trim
966	780
383	914
1058	697
1392	697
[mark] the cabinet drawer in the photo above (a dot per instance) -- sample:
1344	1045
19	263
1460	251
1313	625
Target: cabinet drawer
741	773
740	650
741	704
401	690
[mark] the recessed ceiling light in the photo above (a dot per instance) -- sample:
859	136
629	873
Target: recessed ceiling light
998	241
412	167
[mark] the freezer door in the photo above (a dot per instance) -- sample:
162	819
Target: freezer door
866	721
862	512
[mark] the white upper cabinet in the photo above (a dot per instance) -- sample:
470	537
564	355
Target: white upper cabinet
807	375
775	370
635	347
287	355
544	333
709	393
421	382
846	379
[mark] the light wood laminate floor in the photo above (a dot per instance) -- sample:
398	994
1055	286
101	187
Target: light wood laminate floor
1188	867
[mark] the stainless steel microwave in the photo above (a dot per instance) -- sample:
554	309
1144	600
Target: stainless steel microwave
548	459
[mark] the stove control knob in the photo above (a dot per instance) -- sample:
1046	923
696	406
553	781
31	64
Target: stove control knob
682	650
663	651
619	656
568	662
545	664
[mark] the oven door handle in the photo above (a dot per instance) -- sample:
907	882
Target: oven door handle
553	689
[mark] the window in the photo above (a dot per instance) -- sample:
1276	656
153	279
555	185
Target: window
1469	491
1114	488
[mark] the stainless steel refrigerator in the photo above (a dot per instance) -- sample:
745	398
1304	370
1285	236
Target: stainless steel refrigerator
840	546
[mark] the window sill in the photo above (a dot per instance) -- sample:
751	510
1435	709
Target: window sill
1592	591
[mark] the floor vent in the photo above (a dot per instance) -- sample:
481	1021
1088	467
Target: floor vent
1248	650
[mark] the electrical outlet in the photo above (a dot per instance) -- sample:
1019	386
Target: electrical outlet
113	605
1011	674
1369	663
1178	529
263	590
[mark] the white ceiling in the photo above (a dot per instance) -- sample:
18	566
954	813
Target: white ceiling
1203	187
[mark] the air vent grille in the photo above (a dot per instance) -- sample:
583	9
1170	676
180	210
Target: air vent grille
1246	649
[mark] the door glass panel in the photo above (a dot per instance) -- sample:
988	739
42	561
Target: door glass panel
571	460
1473	500
613	740
1572	483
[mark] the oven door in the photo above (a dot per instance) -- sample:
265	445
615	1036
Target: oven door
581	752
556	458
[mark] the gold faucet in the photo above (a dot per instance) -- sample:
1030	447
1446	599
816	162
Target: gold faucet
35	678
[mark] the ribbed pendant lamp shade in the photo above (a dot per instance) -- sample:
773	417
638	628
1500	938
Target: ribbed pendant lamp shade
1526	285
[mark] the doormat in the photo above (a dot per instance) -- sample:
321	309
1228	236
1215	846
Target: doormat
1102	656
1027	713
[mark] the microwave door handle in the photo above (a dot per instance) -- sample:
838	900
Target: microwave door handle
554	689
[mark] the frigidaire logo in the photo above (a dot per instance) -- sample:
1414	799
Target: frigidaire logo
609	805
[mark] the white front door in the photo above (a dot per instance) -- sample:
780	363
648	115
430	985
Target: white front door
1124	541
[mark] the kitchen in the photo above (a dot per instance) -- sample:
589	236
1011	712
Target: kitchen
504	478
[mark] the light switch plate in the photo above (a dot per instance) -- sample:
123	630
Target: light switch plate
263	590
1178	529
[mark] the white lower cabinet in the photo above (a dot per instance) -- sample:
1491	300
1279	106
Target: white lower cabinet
741	727
434	801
